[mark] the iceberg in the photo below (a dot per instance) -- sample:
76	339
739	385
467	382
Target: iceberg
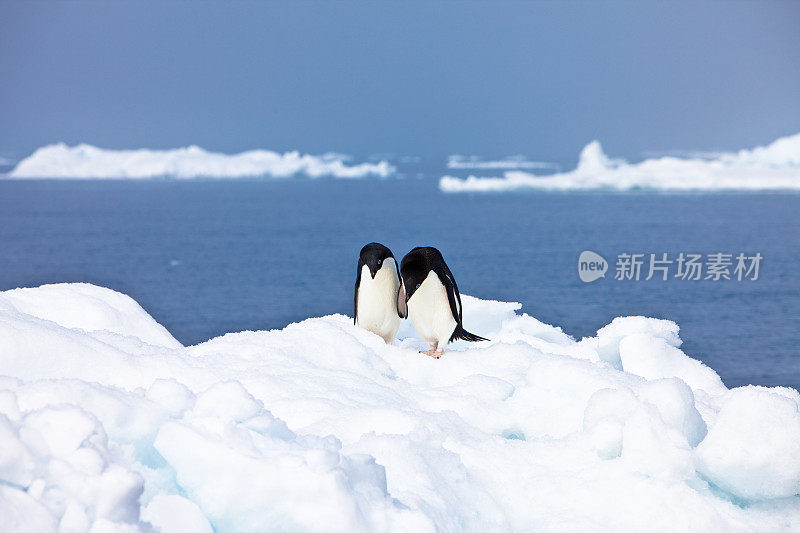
89	162
772	167
107	422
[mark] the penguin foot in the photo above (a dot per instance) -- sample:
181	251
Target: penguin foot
436	354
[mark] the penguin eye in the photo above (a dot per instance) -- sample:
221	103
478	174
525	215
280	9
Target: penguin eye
380	261
417	287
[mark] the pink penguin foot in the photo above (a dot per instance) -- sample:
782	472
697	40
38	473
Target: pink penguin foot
436	354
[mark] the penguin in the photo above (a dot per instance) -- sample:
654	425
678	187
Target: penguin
376	296
431	299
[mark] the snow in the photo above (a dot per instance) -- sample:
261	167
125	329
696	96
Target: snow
772	167
89	308
171	513
107	423
753	449
89	162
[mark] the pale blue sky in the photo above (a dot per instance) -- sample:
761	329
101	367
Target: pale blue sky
417	78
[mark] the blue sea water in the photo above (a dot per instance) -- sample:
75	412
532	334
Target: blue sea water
208	257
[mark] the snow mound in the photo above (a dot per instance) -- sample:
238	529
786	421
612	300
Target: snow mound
772	167
753	450
107	423
89	162
89	308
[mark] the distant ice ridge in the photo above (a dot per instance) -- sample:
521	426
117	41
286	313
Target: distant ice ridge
86	161
107	423
476	162
772	167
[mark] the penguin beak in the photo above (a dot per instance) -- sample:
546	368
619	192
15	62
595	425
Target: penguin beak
373	269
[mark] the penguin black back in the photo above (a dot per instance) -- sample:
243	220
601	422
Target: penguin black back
414	270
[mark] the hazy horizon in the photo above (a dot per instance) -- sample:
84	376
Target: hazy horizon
417	79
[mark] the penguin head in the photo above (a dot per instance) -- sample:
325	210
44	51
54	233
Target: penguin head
374	255
415	268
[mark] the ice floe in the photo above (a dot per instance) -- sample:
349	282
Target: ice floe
772	167
107	423
89	162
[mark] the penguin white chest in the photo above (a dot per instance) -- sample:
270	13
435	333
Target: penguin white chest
377	301
429	311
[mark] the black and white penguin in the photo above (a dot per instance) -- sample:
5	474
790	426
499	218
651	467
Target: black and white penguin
432	299
377	288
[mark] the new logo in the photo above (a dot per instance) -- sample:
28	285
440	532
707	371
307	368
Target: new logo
591	266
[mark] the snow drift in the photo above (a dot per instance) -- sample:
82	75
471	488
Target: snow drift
107	423
85	161
772	167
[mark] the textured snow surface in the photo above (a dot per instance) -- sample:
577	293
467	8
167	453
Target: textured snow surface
109	424
86	161
772	167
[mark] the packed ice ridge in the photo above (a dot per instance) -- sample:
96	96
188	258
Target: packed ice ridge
772	167
89	162
107	423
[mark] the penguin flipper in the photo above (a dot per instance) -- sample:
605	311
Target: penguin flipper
402	306
355	297
453	296
454	299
